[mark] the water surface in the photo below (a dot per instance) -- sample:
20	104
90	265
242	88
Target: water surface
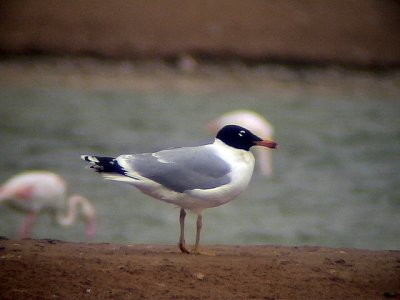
336	169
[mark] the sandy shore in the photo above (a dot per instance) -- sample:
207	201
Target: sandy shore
48	269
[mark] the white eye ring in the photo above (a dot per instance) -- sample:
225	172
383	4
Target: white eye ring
241	133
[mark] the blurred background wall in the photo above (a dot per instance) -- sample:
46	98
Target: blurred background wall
353	32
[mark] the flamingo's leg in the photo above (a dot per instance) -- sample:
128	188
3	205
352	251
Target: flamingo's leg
26	227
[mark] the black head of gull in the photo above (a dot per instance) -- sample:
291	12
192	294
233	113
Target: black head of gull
241	138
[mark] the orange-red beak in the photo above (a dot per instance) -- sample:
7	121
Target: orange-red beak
267	143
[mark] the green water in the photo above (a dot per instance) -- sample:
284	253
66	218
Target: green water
336	170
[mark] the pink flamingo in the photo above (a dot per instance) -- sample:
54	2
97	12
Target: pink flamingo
256	124
41	191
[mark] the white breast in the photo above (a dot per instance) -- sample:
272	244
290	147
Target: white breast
242	165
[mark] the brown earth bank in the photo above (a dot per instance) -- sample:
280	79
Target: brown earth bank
356	33
49	269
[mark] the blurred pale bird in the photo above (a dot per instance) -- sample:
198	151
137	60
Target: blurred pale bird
38	192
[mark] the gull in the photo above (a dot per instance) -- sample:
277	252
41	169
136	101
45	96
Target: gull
192	178
45	192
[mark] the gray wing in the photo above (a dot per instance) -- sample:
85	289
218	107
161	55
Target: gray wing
183	169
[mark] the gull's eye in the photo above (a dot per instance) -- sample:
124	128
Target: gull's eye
241	133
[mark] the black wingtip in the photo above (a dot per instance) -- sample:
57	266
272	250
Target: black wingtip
87	158
104	164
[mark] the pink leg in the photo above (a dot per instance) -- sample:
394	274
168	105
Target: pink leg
26	227
199	224
91	228
182	244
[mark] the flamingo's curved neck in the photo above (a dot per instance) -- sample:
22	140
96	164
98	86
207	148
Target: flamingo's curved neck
86	208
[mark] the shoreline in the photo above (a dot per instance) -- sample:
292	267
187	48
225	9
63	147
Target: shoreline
94	74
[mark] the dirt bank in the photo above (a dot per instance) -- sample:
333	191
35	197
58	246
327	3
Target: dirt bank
47	269
358	33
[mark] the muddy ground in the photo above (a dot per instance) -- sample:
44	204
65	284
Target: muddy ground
48	269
